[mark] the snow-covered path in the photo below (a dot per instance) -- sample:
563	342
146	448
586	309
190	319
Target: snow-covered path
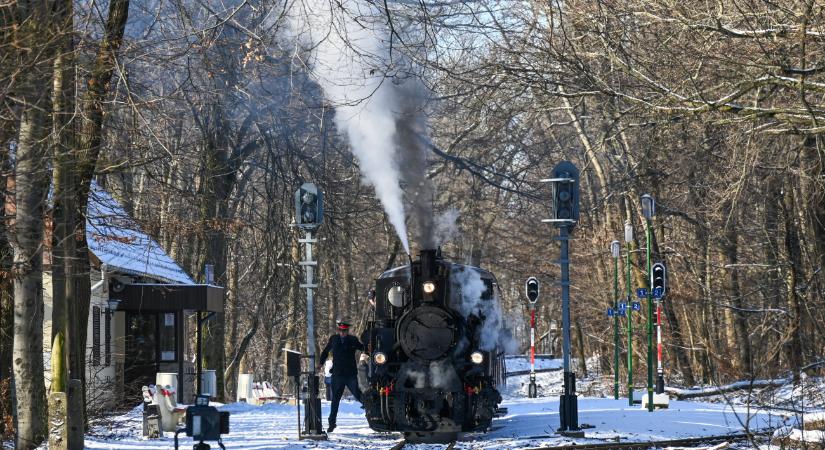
529	423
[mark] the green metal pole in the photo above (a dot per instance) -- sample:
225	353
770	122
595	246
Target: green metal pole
649	324
629	330
616	326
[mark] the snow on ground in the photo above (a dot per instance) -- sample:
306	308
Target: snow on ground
528	423
515	363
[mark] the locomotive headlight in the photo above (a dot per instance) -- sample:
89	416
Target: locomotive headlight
429	287
477	357
379	358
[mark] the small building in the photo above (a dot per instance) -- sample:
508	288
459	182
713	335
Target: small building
142	313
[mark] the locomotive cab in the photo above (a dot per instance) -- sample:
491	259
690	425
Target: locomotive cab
429	374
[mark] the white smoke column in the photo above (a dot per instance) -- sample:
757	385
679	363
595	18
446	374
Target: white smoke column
446	226
493	333
349	59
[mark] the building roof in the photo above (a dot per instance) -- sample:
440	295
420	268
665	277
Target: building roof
117	241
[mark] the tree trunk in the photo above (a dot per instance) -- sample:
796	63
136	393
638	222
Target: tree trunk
793	348
742	346
63	141
6	299
32	184
78	283
582	360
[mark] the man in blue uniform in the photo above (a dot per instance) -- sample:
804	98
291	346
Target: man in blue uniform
344	371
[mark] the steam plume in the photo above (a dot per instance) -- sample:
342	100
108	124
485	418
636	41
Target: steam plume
469	289
382	119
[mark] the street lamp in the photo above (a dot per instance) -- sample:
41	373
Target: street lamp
649	210
628	239
615	250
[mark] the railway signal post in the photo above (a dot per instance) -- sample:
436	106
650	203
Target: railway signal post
309	214
565	184
532	292
658	280
648	211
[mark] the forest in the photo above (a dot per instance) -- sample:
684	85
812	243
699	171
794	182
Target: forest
203	117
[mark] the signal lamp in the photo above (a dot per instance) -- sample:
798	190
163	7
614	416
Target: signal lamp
477	357
429	287
379	358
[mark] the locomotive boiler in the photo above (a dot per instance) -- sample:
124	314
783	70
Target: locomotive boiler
435	356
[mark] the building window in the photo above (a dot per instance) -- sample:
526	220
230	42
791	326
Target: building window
96	336
168	337
107	338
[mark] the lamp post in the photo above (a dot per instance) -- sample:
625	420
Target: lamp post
628	238
648	211
615	250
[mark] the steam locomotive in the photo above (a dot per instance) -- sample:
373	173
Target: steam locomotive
435	357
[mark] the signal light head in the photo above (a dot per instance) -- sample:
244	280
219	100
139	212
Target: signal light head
477	357
429	287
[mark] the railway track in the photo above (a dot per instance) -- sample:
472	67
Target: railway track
646	445
404	443
687	442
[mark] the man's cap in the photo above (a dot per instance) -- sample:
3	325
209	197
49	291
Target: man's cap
342	325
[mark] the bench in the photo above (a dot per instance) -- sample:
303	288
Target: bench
160	401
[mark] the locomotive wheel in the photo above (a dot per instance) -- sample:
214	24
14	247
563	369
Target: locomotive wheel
424	437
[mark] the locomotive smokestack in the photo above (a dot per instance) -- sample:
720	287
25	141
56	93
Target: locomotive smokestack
429	267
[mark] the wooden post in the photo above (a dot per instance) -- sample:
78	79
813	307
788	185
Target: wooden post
58	422
75	406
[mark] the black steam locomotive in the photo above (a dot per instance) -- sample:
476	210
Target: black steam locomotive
435	360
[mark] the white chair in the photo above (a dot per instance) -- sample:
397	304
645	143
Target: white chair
170	413
257	394
269	392
245	388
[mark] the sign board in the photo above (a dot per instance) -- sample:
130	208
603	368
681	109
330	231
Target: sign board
622	305
622	312
658	292
637	306
610	312
641	292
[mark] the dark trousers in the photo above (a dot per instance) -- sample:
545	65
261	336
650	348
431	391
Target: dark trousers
339	382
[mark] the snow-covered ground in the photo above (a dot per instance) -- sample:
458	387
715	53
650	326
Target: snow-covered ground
528	423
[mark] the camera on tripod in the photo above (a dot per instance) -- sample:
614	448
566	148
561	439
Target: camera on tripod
205	423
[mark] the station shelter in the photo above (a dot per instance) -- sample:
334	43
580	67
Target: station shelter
142	316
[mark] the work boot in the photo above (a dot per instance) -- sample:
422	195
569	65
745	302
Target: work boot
331	427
